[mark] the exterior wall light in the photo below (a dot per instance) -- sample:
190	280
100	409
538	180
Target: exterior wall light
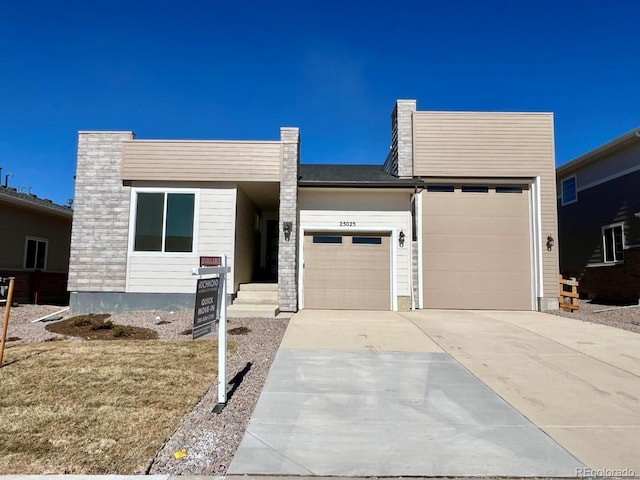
286	228
401	238
550	243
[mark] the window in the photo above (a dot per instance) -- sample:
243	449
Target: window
440	188
367	240
475	189
613	243
326	239
35	257
164	222
569	190
508	189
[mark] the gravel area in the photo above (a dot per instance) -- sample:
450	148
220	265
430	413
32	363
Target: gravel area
625	317
210	439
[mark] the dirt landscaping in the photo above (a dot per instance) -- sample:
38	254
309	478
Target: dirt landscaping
626	317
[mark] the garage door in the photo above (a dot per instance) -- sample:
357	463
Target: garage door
347	271
476	247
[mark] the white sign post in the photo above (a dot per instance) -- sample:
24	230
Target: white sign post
222	271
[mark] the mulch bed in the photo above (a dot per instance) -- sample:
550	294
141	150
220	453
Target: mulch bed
98	327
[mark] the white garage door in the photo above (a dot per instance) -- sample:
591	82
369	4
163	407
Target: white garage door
347	271
476	245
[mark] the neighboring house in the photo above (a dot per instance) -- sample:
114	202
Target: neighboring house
456	217
34	246
599	220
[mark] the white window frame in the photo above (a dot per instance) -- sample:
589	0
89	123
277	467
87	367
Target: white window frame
132	221
604	247
575	183
46	252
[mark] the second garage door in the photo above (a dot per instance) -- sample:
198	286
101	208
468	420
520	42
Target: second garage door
347	271
476	247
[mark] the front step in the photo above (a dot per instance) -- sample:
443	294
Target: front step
259	287
266	297
245	311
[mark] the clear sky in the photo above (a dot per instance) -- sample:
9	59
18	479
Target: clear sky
241	69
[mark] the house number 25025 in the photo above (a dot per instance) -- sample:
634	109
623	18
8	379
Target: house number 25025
347	224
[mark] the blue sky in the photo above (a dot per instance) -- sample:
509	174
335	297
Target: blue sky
240	70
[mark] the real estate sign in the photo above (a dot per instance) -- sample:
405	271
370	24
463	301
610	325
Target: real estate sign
204	315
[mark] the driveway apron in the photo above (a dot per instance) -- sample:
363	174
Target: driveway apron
371	394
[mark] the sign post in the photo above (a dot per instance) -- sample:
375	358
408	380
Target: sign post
214	266
7	310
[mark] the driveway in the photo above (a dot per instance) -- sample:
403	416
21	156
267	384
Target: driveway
446	393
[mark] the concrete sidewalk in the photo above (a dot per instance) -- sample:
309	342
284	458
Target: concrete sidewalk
371	394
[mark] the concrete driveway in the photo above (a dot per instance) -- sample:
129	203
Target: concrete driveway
446	393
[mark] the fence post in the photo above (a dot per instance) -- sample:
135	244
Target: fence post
5	323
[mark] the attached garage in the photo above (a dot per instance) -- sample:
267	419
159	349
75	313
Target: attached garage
347	271
476	247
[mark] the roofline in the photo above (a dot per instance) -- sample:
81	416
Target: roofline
597	153
53	209
324	184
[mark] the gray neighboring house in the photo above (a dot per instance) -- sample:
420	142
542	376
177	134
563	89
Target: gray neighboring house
599	220
457	216
34	246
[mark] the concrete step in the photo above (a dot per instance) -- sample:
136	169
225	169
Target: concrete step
237	311
259	287
255	301
266	297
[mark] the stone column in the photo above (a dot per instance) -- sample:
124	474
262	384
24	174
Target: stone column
100	231
288	249
403	122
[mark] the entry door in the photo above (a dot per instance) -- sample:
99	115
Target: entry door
347	271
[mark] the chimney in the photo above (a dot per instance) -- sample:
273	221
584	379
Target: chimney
402	137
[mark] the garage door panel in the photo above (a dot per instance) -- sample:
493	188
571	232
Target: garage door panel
469	262
476	250
479	301
347	275
489	244
485	204
463	225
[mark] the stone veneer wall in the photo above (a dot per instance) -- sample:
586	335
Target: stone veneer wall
288	250
403	115
100	232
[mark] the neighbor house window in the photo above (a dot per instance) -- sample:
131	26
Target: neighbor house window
164	222
35	257
613	243
569	191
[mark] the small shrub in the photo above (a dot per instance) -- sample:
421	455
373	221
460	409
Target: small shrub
81	321
108	325
120	332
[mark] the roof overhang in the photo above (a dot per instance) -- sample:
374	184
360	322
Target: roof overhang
622	141
37	205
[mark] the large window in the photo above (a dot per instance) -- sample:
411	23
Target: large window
569	190
35	257
613	243
164	222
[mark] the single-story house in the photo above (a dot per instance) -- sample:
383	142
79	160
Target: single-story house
34	246
458	216
599	220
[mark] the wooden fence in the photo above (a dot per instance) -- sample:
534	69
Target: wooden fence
569	294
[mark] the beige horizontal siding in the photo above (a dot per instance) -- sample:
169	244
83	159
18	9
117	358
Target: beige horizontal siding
369	210
158	273
493	144
201	160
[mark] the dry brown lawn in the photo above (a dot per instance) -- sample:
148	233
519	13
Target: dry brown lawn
97	407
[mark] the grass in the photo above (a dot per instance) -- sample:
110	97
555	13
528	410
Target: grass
97	407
